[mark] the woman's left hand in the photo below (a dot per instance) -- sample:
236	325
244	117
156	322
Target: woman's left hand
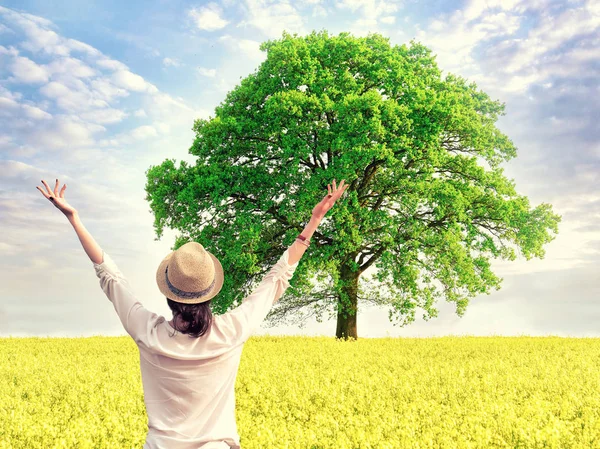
58	198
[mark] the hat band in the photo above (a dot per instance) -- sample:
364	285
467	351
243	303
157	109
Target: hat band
185	294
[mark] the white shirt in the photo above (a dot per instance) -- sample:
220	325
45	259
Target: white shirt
189	383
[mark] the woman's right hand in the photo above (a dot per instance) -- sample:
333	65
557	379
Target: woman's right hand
329	200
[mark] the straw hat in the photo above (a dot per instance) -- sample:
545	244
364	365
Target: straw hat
190	274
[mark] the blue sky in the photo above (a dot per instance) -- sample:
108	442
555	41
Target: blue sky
95	93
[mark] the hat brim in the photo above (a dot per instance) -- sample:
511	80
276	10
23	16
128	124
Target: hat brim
161	280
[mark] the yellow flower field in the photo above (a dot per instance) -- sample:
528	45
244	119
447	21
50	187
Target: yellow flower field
318	393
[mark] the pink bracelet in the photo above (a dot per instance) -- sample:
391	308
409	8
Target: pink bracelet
303	240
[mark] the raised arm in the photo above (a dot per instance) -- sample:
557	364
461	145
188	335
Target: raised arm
57	198
133	315
238	324
297	248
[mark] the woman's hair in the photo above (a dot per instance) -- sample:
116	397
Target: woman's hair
197	317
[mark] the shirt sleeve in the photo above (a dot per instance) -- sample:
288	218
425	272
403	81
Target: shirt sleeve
240	323
131	312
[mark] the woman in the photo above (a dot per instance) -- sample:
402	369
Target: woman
189	380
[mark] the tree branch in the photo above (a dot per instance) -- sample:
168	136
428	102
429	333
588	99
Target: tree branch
378	203
308	164
368	87
375	256
255	159
316	149
447	170
330	119
273	211
369	172
260	139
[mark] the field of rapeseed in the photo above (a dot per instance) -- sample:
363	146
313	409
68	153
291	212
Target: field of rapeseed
318	393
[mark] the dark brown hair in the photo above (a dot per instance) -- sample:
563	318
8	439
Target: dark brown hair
197	317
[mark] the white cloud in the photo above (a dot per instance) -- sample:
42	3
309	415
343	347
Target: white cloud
111	64
5	29
12	51
370	9
65	132
4	92
162	127
371	12
107	91
6	104
224	85
46	40
86	90
319	11
143	132
72	66
140	133
5	141
476	8
167	105
171	111
35	112
72	98
364	26
174	62
550	34
82	47
66	92
580	54
24	70
272	17
24	151
453	37
250	48
35	19
208	18
103	116
41	38
515	62
16	169
132	81
211	73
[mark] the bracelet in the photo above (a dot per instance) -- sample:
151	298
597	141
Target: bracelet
304	243
303	240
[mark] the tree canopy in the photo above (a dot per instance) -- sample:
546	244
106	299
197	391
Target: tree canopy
420	208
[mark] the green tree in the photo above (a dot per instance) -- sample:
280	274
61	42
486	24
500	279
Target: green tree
420	208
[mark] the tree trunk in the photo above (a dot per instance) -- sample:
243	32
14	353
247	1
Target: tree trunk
348	308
